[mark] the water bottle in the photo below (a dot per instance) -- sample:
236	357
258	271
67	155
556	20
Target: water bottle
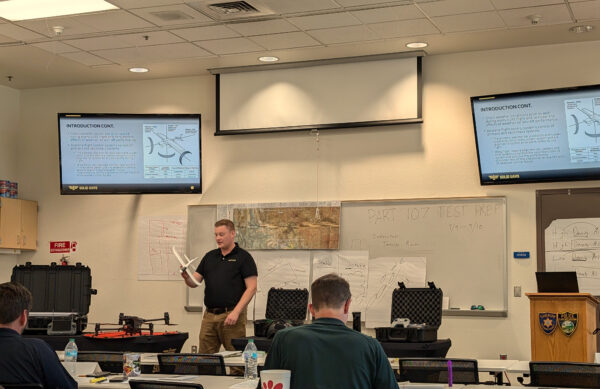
250	360
71	356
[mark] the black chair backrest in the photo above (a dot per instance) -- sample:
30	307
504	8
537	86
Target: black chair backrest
147	384
22	386
435	370
110	361
196	364
565	374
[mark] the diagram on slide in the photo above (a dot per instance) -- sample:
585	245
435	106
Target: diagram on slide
170	150
583	121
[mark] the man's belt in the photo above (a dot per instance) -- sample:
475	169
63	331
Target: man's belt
218	311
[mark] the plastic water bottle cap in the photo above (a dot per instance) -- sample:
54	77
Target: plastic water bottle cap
250	340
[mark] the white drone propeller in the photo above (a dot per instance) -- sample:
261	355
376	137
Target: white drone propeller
185	265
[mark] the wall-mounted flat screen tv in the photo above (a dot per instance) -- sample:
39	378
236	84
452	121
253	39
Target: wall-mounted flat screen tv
123	153
538	136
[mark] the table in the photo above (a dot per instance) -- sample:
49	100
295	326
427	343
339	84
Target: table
209	382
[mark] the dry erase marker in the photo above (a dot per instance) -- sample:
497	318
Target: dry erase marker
449	373
97	380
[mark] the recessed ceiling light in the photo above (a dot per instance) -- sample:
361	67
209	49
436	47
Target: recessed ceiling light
139	70
268	59
416	45
581	29
14	10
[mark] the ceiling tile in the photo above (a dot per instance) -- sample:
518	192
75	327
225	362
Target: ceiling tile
507	4
286	40
331	20
99	43
171	15
455	7
404	28
71	26
5	39
469	22
150	38
55	47
264	27
86	58
388	14
18	33
293	6
587	10
551	14
205	33
344	34
129	4
353	3
141	55
230	46
113	21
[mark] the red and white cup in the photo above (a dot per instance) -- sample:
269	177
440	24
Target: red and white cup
275	379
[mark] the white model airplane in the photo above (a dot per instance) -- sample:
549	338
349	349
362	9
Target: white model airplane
185	265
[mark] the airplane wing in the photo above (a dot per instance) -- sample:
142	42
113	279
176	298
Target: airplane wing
185	265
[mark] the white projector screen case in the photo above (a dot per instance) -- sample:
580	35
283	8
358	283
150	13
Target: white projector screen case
331	95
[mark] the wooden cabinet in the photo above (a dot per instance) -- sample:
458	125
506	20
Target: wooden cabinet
18	224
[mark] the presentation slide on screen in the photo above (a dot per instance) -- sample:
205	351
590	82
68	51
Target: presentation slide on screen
538	136
137	150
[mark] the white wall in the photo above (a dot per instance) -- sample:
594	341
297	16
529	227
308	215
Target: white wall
435	159
9	130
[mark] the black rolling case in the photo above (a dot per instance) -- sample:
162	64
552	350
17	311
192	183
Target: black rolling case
285	308
423	306
61	297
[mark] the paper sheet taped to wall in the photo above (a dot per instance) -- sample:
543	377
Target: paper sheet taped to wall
157	236
574	245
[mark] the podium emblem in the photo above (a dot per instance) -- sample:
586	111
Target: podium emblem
567	321
548	322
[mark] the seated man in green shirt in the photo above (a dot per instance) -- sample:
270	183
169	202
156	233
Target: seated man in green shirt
326	354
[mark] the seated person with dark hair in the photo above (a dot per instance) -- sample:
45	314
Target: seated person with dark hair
25	360
327	354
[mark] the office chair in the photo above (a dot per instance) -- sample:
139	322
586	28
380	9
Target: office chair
147	384
109	361
196	364
435	370
564	374
21	386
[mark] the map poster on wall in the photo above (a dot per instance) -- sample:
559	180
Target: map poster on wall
292	227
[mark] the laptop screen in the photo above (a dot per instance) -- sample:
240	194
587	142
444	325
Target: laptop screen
557	282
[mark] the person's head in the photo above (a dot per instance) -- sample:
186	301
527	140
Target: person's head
330	295
225	234
15	303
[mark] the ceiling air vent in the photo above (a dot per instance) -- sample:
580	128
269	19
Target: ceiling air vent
233	7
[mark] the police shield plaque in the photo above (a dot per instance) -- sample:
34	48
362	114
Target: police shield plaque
548	322
567	321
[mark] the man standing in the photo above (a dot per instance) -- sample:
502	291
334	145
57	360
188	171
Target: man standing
25	360
230	275
326	353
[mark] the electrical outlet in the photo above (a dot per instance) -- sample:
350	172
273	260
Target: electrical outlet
517	291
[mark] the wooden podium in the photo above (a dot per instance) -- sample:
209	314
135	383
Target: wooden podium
548	341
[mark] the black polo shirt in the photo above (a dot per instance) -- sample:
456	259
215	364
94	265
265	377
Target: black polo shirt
224	276
30	360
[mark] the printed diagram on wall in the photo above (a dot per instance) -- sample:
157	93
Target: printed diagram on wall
295	226
279	269
157	236
384	275
170	151
353	266
583	118
574	245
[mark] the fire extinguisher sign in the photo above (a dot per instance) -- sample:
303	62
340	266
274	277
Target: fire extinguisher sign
62	246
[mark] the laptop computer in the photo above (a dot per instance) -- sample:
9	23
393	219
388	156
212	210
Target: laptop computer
557	282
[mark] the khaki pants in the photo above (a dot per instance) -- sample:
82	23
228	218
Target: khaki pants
214	333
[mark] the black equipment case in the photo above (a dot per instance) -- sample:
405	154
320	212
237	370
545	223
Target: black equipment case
61	297
285	308
423	306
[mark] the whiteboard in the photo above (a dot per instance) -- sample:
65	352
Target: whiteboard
463	241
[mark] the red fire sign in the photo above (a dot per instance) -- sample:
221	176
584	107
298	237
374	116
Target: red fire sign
60	247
